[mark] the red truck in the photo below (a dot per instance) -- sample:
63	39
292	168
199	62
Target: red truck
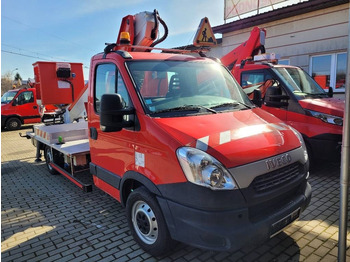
22	106
18	107
177	142
289	93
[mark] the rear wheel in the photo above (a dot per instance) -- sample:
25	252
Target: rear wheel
49	160
13	124
147	223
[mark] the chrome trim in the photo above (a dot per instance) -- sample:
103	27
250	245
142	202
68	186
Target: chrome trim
244	175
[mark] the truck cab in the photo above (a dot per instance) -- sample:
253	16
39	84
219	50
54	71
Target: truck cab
18	107
293	96
290	94
177	136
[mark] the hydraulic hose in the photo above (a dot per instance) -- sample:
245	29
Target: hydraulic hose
166	31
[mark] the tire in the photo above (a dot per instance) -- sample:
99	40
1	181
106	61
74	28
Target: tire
13	124
311	155
147	223
49	159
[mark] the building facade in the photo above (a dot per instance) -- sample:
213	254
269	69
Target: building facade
313	35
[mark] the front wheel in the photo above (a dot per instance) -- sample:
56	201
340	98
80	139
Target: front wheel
147	223
13	124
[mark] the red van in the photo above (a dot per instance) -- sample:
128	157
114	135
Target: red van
19	107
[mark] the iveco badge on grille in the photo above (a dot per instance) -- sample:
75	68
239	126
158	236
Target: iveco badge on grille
278	161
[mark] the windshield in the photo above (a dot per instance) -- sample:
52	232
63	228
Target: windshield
186	87
299	82
8	97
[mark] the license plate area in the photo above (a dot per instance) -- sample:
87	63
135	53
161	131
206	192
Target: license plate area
282	223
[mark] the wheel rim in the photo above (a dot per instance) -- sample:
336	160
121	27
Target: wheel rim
49	159
14	124
144	222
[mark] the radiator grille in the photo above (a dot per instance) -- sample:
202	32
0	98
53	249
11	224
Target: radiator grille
276	178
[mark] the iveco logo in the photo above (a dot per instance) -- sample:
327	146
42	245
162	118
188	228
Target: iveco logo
279	161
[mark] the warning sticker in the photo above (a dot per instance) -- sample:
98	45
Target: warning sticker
204	35
139	159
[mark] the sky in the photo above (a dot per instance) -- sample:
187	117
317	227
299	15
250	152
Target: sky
75	30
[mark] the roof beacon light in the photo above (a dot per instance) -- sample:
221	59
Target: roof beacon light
124	38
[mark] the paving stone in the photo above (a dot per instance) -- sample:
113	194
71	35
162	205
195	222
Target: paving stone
322	251
329	258
316	243
306	251
313	258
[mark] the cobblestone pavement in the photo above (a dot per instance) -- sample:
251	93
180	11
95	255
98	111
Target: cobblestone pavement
45	217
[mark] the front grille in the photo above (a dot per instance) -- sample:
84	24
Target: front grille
276	178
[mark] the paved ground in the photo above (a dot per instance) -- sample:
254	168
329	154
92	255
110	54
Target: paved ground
48	218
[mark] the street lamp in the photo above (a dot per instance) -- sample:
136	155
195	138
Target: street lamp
14	70
14	85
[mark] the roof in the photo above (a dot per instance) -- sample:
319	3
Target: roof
149	56
285	12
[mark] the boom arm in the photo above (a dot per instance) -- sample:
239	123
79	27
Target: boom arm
248	49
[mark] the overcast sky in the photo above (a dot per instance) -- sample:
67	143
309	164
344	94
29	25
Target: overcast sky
75	30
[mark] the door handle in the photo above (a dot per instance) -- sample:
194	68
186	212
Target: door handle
35	107
93	133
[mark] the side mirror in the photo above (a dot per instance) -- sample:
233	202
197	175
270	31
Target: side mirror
112	113
257	99
15	102
330	91
274	97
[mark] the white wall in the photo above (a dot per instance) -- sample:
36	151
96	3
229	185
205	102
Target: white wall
297	38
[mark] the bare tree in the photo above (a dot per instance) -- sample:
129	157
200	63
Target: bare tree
6	82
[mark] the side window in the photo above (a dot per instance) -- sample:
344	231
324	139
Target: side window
109	81
25	97
121	89
252	78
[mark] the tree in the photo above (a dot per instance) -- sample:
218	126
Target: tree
6	82
18	79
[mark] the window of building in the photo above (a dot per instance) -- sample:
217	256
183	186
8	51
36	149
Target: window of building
340	72
329	70
283	61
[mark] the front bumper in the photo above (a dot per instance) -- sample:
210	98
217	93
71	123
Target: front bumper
3	120
230	229
325	146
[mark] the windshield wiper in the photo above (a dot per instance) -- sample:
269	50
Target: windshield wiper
184	108
233	104
311	94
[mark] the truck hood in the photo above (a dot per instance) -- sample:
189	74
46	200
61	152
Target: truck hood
5	107
234	138
330	106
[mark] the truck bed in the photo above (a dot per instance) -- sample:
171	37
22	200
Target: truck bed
74	137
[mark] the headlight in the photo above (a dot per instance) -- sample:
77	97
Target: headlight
202	169
303	145
335	120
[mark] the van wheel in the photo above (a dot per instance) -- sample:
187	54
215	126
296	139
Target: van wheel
49	159
13	124
310	154
147	223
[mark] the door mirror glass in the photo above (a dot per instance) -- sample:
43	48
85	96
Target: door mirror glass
112	113
274	97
